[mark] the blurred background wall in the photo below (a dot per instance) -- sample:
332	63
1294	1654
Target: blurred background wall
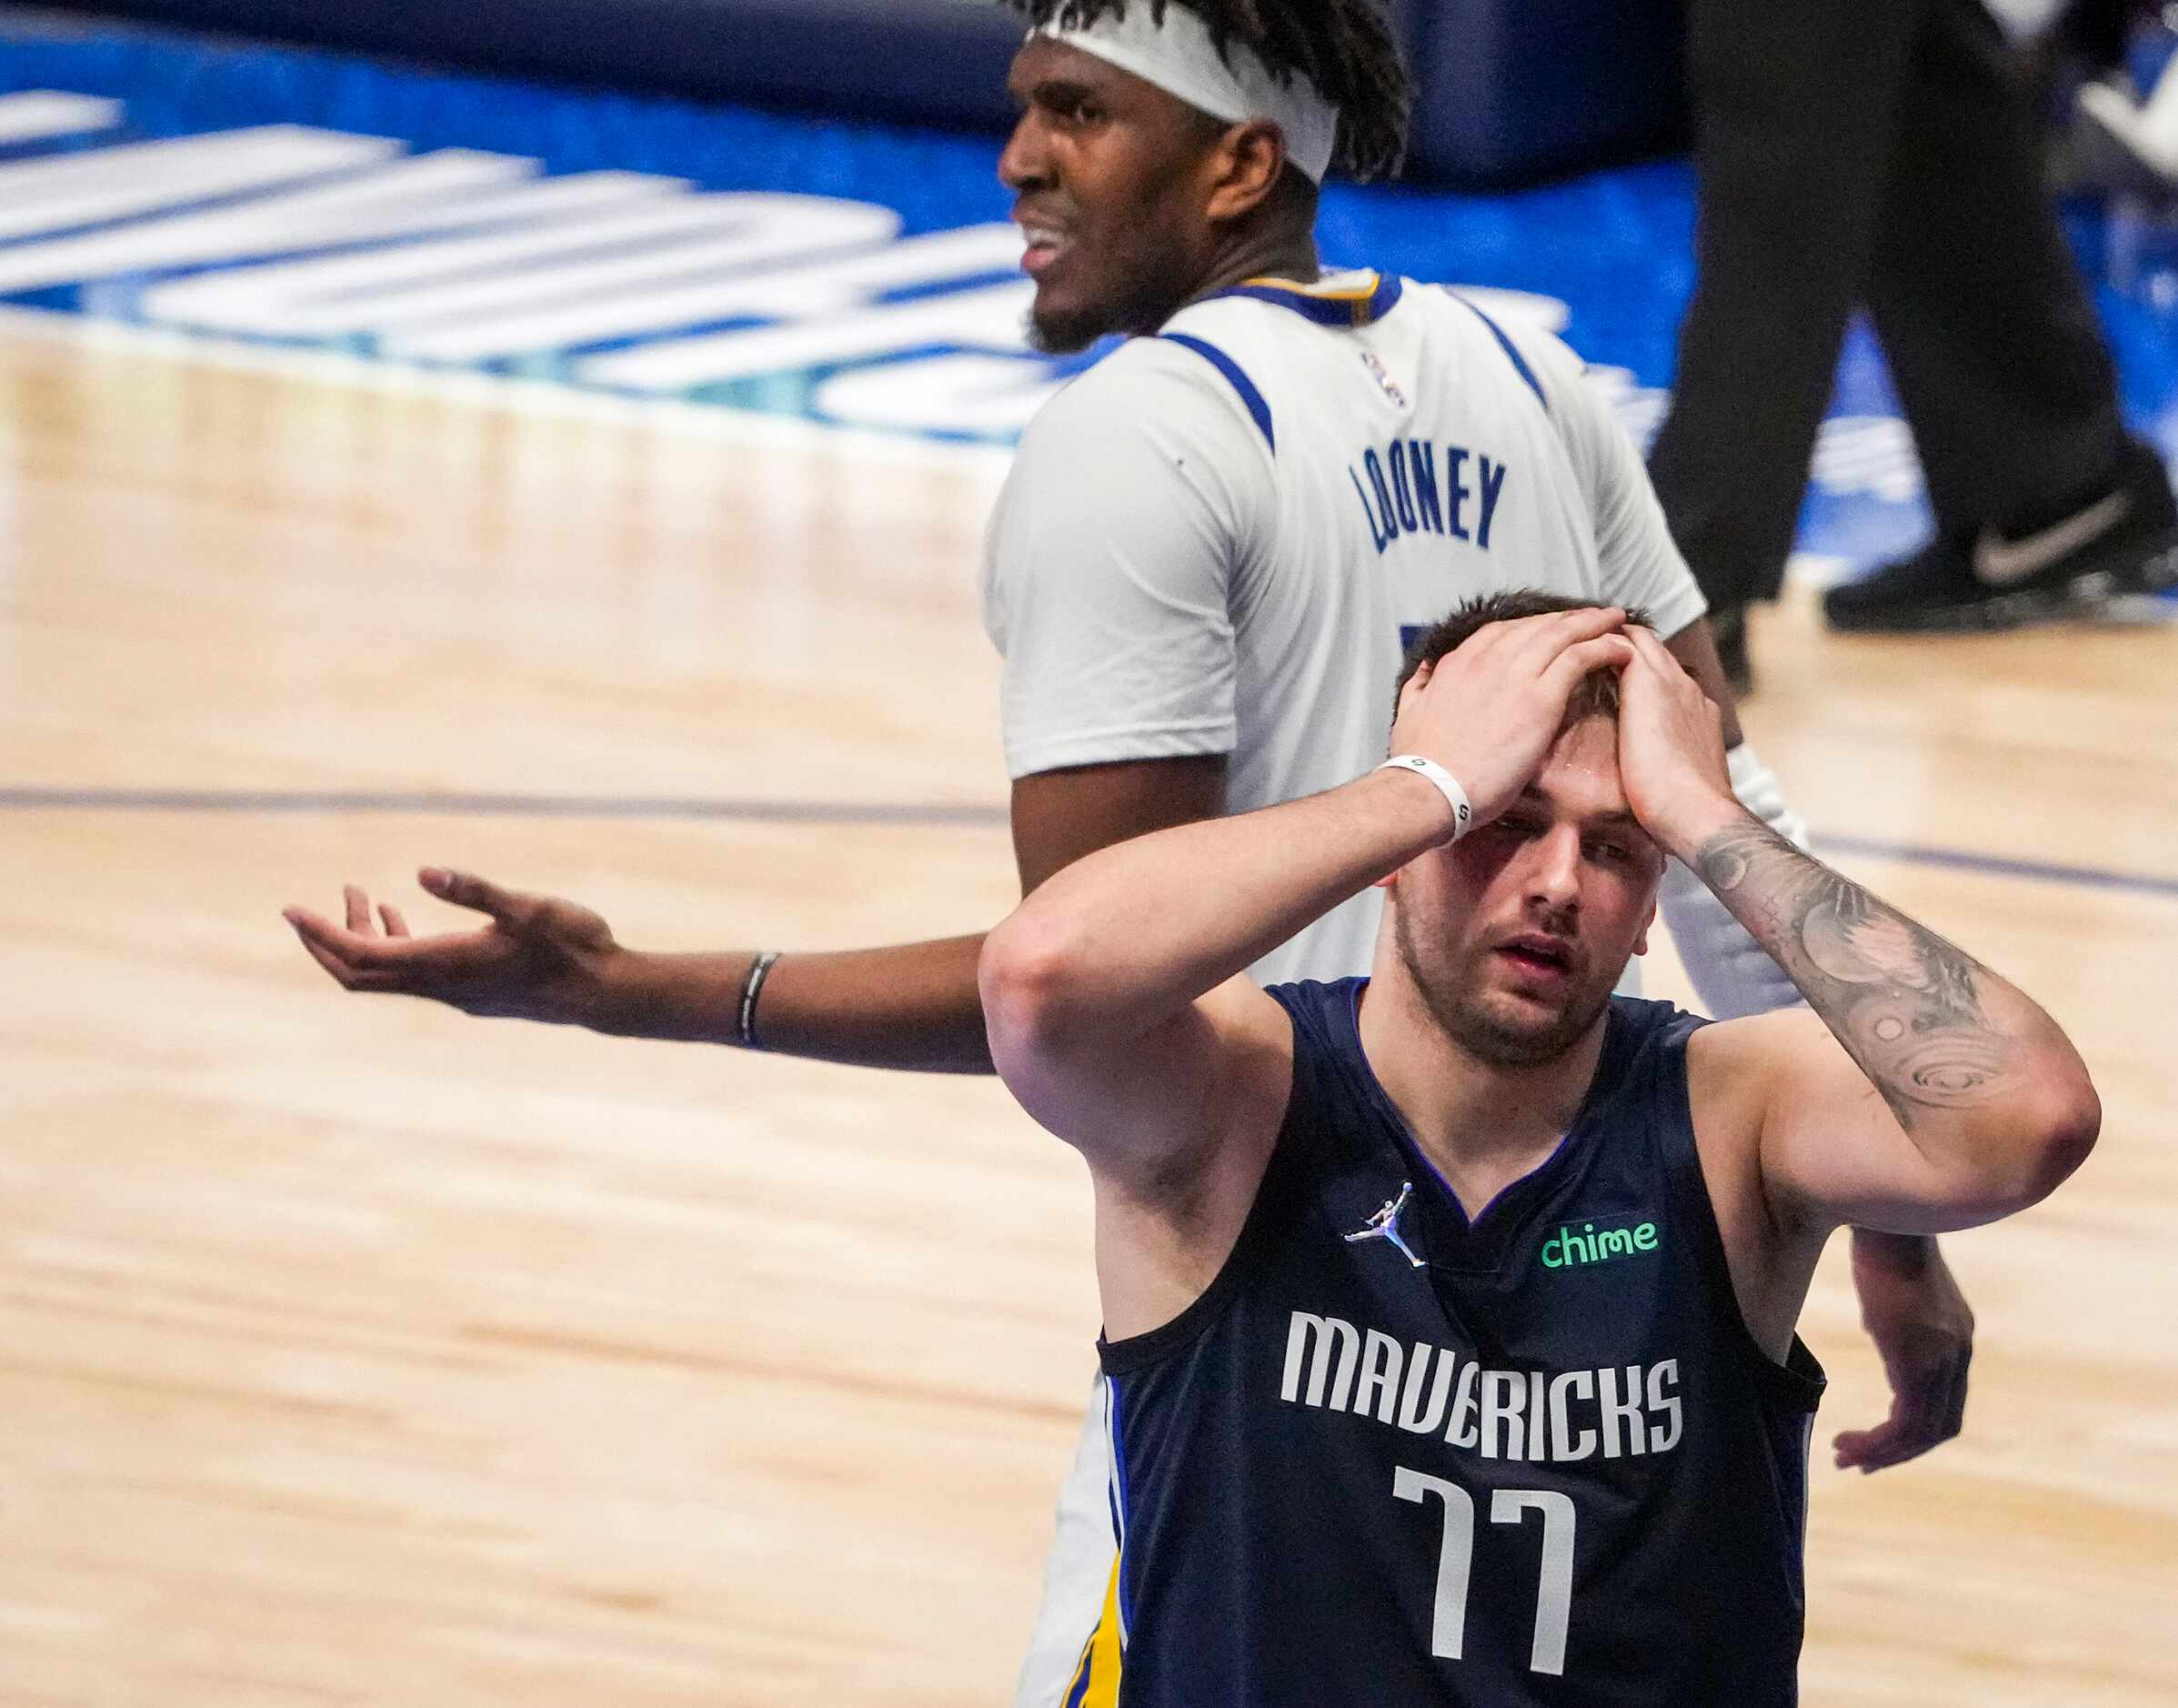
1511	90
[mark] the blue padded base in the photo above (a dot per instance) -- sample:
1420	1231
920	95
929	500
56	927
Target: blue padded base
1507	92
942	60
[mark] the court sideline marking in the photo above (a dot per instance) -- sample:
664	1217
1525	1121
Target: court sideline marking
514	394
918	815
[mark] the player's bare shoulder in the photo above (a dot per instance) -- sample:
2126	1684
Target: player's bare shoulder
1735	1071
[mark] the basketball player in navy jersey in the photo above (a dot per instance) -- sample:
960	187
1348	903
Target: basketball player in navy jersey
1448	1314
1199	574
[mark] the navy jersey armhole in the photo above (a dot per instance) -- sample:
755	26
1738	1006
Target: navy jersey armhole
1797	1383
1277	1199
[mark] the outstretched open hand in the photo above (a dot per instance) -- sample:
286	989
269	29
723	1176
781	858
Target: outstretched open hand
539	958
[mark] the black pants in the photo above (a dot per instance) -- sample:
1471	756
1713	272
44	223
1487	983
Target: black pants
1878	152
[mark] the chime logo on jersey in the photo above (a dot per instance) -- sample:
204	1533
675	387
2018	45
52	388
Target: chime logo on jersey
1571	1247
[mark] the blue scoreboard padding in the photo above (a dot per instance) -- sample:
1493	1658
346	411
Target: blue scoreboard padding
1508	90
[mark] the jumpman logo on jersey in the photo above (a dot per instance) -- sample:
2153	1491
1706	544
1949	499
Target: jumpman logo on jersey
1384	1225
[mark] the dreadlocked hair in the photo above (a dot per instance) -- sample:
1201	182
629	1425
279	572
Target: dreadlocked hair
1345	47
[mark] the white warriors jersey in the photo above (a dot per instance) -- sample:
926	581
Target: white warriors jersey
1220	539
1217	541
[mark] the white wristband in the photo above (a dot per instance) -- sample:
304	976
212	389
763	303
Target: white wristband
1446	785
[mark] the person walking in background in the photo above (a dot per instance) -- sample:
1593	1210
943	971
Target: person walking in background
1883	153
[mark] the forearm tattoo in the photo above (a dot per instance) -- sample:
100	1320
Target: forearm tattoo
1906	1004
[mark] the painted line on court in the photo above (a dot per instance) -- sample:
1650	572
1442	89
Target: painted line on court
454	804
479	388
696	809
1996	866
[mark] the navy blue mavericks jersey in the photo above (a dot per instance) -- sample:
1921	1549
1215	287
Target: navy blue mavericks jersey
1535	1459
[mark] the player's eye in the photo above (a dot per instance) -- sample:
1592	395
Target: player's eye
1071	107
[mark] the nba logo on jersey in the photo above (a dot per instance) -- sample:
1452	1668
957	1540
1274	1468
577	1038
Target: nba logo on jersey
1383	378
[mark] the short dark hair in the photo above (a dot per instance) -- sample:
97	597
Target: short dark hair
1597	695
1347	48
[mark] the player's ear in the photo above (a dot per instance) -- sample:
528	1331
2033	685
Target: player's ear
1248	161
1640	943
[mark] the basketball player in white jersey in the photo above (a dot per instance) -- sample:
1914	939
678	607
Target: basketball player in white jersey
1198	573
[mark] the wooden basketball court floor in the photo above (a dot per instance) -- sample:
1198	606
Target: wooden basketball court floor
353	1351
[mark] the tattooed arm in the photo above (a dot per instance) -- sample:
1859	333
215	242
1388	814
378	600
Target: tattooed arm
1920	1091
1935	1095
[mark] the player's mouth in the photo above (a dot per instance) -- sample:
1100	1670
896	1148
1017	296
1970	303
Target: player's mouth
1541	956
1046	245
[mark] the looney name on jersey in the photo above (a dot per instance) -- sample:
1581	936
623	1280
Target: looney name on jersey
1405	490
1528	1415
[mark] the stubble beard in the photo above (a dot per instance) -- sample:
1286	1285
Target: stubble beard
1141	302
1469	1022
1065	333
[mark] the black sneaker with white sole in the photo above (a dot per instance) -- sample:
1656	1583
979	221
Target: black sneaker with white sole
2105	560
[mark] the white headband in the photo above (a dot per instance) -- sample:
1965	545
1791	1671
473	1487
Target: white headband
1180	59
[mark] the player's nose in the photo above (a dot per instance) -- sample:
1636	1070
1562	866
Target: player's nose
1025	163
1554	868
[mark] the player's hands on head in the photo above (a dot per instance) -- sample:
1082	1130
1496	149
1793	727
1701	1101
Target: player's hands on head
1670	749
1489	710
538	957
